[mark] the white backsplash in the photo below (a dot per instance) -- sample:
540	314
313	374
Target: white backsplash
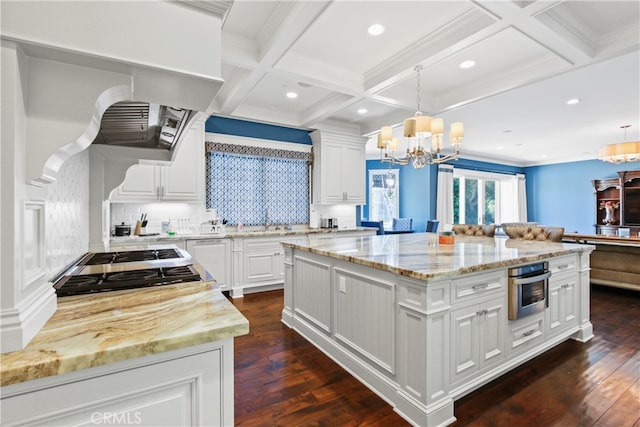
194	214
346	215
67	213
181	215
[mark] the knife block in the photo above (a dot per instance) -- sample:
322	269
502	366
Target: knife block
138	229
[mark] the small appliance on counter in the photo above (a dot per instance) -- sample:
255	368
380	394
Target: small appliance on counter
122	230
328	222
213	224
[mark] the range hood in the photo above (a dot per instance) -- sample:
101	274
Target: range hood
143	125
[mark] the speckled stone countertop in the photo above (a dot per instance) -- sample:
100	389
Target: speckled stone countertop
93	330
236	234
411	254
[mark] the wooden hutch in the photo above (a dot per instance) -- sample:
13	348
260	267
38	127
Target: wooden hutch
618	203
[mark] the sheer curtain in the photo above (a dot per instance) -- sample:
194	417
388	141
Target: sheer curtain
522	198
444	201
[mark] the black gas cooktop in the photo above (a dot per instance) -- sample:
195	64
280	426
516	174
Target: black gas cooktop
112	271
130	256
114	281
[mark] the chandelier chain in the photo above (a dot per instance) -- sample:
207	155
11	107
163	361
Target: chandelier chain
418	69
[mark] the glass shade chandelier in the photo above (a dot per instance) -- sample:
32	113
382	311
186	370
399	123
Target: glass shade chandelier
621	152
418	129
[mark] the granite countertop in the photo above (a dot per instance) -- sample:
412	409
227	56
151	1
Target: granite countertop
235	234
97	329
411	254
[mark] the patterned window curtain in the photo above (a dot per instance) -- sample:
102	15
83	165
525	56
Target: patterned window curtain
244	182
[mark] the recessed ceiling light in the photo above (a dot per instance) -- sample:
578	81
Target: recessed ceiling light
467	64
362	111
573	101
375	30
292	95
506	131
500	147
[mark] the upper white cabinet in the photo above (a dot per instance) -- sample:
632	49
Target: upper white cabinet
338	168
183	180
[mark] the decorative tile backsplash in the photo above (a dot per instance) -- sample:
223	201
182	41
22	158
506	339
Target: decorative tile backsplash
67	213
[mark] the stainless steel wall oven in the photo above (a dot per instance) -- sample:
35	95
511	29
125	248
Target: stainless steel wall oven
528	289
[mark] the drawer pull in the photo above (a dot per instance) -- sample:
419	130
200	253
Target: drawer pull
529	333
481	286
563	266
481	312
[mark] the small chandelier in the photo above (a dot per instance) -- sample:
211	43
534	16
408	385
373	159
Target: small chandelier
621	152
417	129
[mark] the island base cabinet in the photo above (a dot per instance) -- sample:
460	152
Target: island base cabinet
166	389
421	344
563	303
477	338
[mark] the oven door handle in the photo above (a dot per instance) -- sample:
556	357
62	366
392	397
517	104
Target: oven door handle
532	279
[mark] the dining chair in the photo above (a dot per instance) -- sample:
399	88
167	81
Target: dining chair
488	230
536	232
377	224
402	224
432	226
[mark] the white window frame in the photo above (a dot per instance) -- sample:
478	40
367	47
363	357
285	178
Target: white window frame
396	213
506	194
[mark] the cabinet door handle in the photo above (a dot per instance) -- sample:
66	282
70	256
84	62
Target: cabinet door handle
481	312
528	333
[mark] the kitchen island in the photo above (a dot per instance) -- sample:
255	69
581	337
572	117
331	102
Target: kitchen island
149	356
424	325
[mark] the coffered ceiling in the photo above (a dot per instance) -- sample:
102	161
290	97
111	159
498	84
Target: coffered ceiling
530	58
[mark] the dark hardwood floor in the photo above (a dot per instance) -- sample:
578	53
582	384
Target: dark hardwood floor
282	380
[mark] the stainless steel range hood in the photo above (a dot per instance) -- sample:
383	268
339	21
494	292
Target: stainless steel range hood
142	125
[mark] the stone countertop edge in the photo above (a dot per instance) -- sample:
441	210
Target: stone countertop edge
98	329
235	234
545	251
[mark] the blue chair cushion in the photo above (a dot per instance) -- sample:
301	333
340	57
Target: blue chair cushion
402	224
432	226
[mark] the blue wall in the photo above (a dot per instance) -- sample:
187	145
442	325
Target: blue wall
559	194
562	194
416	189
228	126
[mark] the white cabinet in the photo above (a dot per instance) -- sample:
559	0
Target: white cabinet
184	387
338	168
477	337
563	302
183	180
215	256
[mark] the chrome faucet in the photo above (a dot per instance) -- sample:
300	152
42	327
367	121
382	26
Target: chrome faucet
266	222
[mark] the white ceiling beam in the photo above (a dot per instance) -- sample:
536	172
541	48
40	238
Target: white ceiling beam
460	33
282	32
571	48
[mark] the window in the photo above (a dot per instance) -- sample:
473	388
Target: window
243	186
384	187
483	197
